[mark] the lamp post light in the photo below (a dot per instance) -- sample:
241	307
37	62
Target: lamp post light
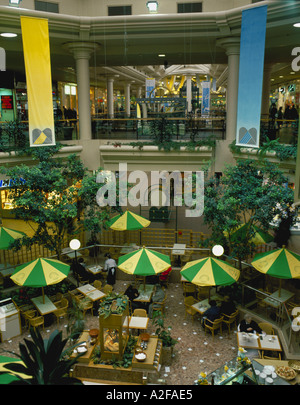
218	250
75	245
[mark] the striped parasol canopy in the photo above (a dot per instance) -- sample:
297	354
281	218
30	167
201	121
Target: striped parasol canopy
8	235
6	376
128	222
259	237
144	262
210	271
40	273
280	263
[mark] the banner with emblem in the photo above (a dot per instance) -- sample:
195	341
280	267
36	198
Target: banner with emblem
251	69
35	36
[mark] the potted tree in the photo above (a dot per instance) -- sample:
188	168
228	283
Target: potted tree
164	333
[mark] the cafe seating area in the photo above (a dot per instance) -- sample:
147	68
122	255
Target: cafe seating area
183	308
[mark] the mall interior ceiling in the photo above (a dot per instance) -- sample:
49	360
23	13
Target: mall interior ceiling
129	48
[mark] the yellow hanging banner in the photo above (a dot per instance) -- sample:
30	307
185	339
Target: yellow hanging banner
35	35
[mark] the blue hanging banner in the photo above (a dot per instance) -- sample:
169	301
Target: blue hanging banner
251	70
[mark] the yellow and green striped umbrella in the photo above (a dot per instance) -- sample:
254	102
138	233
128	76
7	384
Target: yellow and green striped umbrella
280	263
259	237
209	272
144	262
40	273
128	222
8	235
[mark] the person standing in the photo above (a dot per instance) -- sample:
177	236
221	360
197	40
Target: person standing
110	266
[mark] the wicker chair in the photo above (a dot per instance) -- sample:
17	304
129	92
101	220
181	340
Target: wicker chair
230	319
37	321
188	302
140	312
213	326
61	312
267	328
188	288
98	284
107	289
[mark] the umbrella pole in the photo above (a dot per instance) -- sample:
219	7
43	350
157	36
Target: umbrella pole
279	292
43	295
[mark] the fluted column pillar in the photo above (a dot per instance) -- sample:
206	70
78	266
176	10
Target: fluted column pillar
232	48
110	97
82	52
127	98
188	84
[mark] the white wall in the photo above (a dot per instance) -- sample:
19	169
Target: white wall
99	8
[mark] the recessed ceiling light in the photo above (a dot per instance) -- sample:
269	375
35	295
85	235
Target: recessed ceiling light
292	73
161	55
280	77
297	25
8	34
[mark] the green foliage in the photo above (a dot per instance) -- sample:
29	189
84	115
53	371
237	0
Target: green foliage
45	361
76	321
161	331
54	194
13	137
282	151
247	193
113	303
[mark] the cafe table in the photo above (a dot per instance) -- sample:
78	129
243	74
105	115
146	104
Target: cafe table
97	269
44	305
145	293
91	292
201	306
261	342
248	341
275	300
137	322
269	342
178	250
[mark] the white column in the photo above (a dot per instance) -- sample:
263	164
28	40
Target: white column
139	92
127	98
232	47
110	97
81	52
188	84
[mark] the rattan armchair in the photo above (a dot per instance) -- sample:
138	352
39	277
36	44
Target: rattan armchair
213	326
140	312
188	302
37	321
230	319
61	312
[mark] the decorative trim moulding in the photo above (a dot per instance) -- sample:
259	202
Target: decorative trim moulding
151	158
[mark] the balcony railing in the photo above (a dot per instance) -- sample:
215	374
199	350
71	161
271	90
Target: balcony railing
14	136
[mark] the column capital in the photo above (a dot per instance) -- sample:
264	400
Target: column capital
230	44
82	49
